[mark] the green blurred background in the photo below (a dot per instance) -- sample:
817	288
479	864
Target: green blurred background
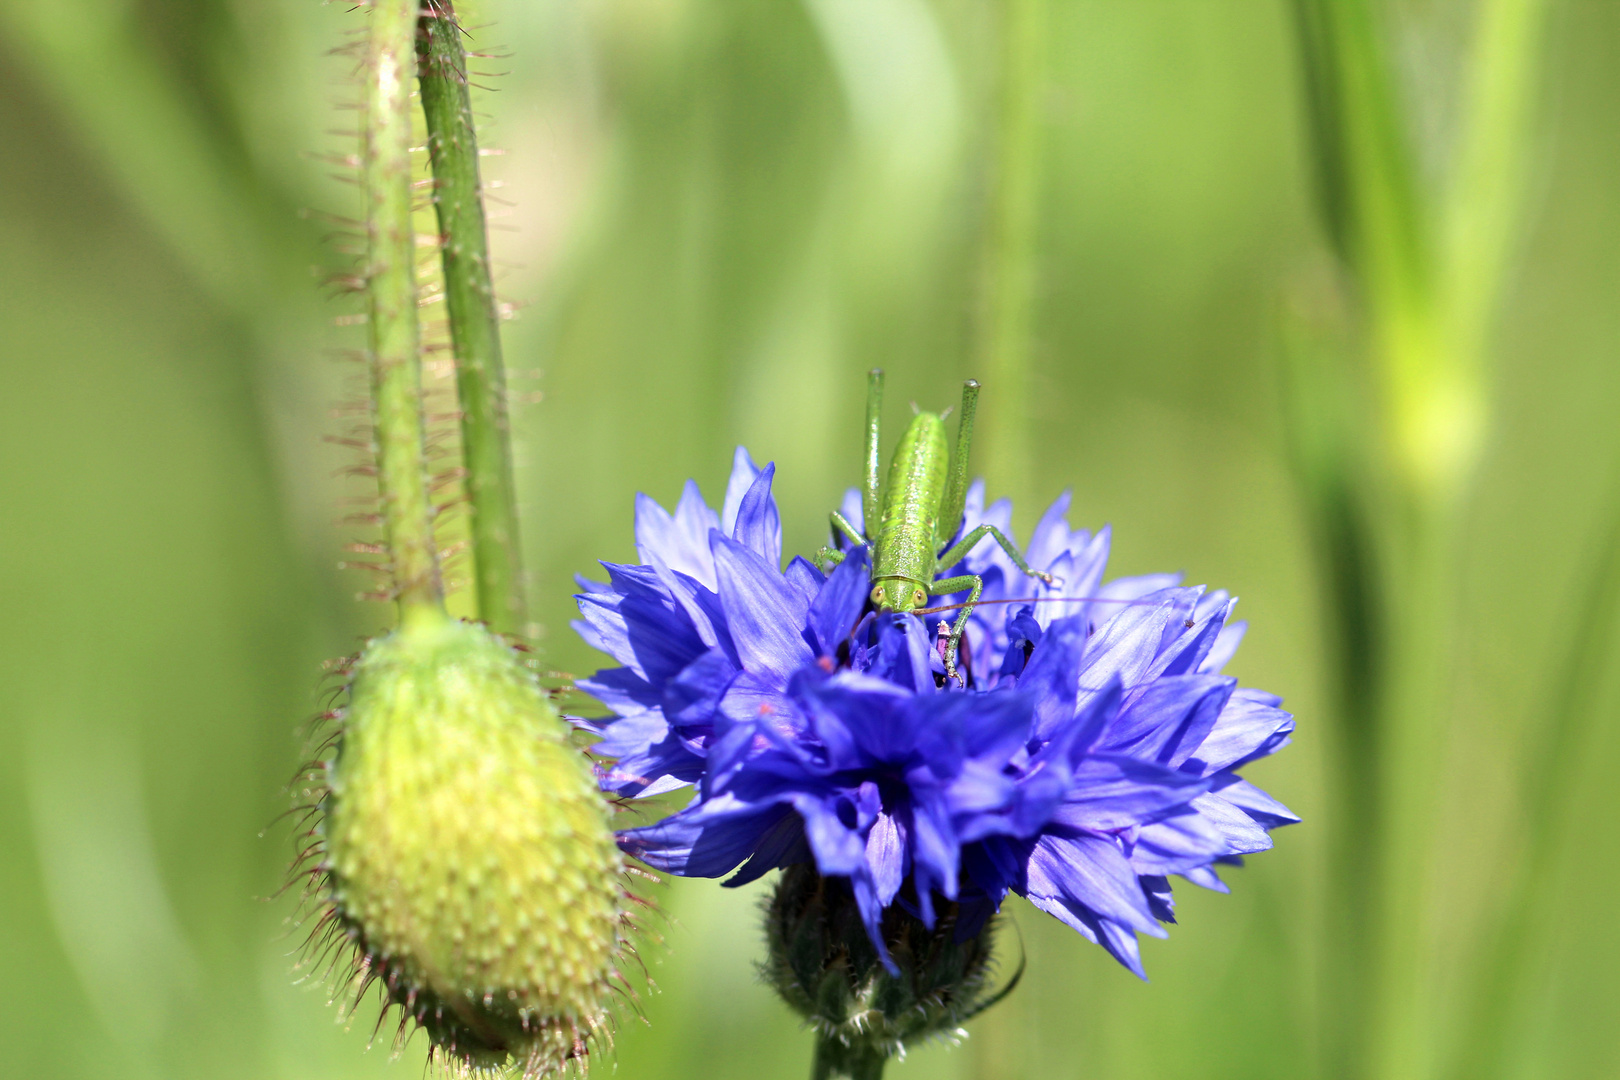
720	214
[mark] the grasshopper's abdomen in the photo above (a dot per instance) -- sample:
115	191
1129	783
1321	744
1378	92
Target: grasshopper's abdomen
905	540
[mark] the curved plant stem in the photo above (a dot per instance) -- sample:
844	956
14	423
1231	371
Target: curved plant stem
395	338
474	320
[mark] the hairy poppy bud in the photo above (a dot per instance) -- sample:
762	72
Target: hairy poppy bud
823	964
468	853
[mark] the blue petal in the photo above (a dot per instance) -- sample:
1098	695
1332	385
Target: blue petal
1113	791
1188	650
1160	900
1205	877
936	853
886	855
859	719
764	612
759	526
621	690
743	474
1244	836
1127	645
1265	810
1023	634
839	849
989	727
903	654
693	697
1052	676
1177	845
782	845
1225	647
661	641
837	607
631	734
709	840
1091	870
680	542
1168	719
1051	536
698	601
1250	727
803	575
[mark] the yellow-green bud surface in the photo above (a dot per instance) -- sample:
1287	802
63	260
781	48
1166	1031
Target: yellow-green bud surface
469	850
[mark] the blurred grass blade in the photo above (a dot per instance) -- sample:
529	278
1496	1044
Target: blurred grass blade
1484	198
1320	424
1513	971
154	144
1008	272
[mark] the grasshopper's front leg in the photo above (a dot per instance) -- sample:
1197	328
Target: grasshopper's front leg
829	557
826	558
965	545
946	587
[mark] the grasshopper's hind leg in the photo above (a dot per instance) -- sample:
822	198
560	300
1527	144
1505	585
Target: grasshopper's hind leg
960	549
946	587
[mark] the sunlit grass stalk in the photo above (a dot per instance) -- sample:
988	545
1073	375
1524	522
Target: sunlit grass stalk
1425	270
395	336
1009	269
474	319
1514	969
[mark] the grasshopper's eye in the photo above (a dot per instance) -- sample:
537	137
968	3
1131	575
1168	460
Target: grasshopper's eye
919	598
878	595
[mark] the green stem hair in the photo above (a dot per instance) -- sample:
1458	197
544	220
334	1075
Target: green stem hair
395	337
474	320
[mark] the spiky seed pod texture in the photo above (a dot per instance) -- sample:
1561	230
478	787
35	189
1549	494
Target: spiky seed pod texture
469	855
821	962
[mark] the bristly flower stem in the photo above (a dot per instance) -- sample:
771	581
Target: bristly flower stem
833	1060
474	321
395	338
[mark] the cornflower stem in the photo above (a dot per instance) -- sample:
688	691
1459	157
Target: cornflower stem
474	318
833	1059
395	337
1009	258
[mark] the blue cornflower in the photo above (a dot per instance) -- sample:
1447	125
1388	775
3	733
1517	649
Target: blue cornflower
1106	768
1094	754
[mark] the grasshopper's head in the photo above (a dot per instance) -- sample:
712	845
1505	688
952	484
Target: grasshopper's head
898	594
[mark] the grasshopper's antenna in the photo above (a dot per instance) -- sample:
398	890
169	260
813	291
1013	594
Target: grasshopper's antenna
1039	600
950	510
871	502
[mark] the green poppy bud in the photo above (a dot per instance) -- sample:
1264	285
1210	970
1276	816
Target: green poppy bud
468	852
822	963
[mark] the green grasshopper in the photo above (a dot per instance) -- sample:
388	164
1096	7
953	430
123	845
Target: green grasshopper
919	514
